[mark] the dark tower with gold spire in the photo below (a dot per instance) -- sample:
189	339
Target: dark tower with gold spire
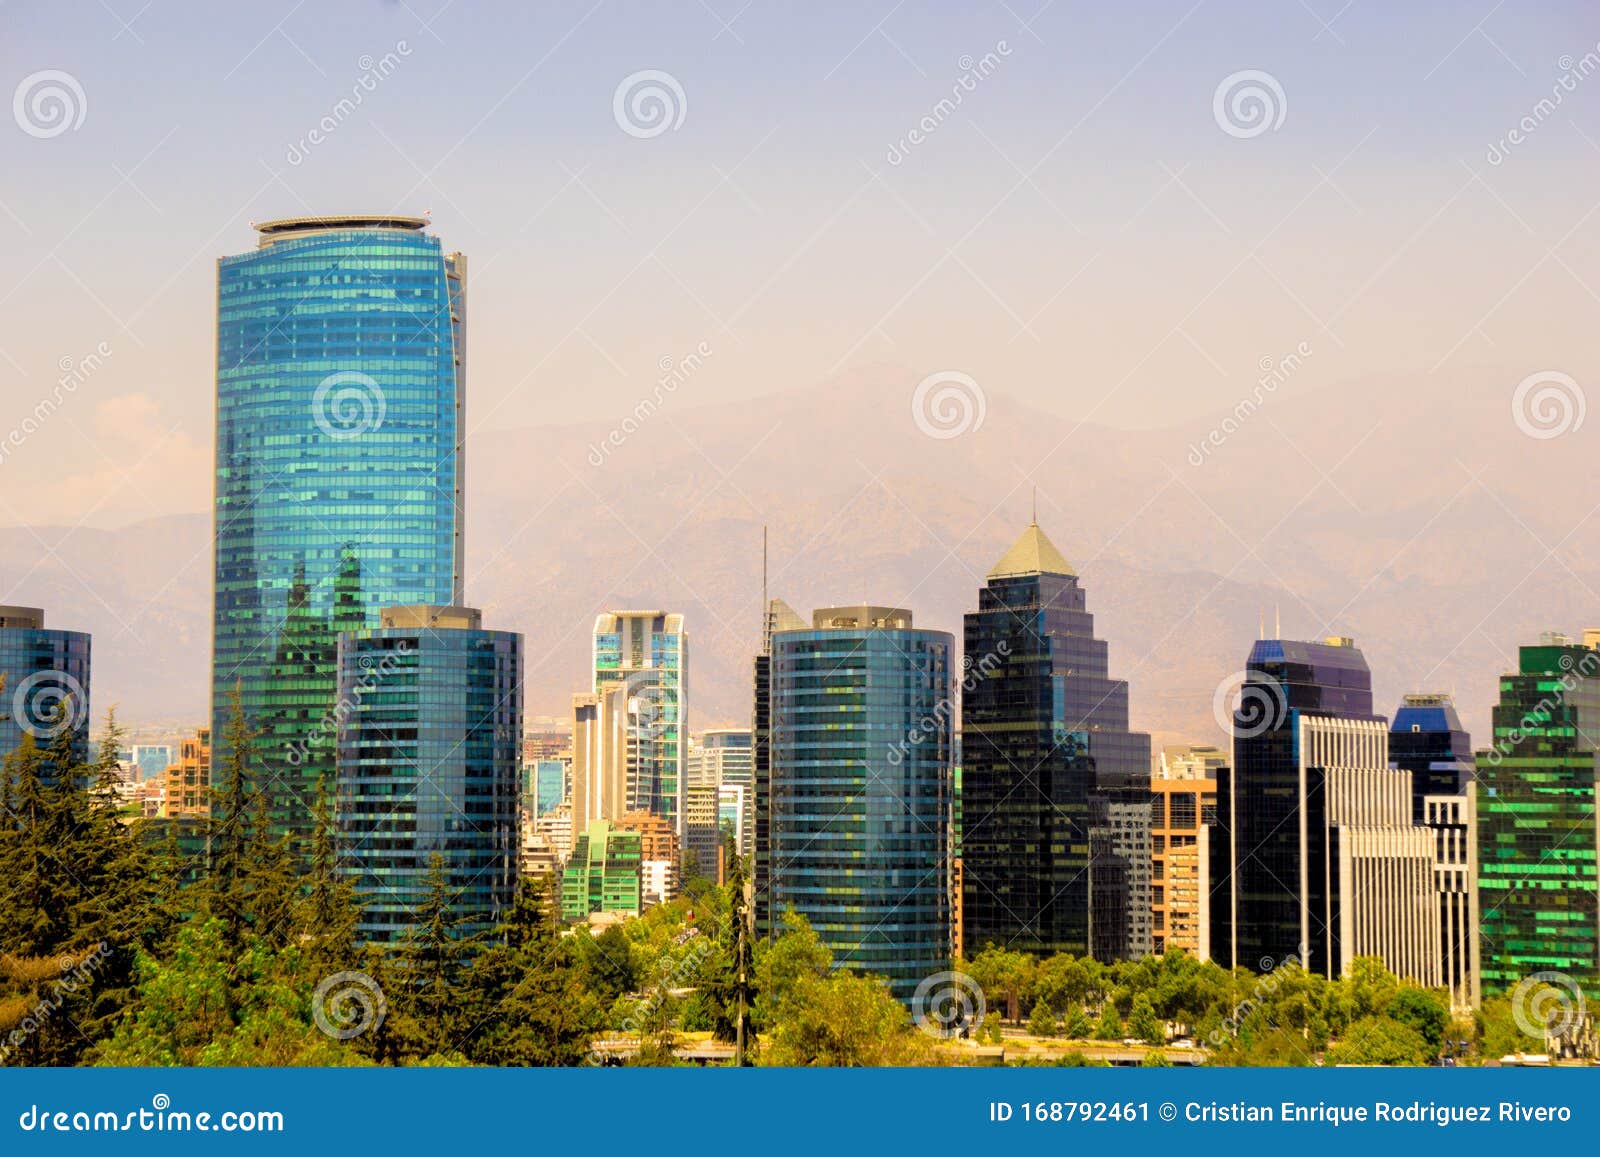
1055	857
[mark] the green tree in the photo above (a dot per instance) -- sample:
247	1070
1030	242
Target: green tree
1042	1021
1379	1040
432	962
1144	1024
1421	1010
528	1000
1110	1025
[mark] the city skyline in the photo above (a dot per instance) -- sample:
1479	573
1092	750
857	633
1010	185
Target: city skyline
1164	283
1195	494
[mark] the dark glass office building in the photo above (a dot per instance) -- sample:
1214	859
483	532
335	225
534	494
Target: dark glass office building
860	780
339	469
1537	837
1260	869
46	684
1055	791
1427	740
428	756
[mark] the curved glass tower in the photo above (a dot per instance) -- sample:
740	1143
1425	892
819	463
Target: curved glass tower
46	685
860	789
339	470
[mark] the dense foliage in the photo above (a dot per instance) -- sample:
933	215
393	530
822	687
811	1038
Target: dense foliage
116	949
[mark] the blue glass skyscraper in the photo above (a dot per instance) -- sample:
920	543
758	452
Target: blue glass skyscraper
429	749
339	469
46	675
860	786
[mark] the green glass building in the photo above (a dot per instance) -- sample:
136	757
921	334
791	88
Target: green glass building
603	874
1537	837
648	651
339	470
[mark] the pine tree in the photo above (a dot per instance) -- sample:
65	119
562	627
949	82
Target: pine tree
433	960
527	1000
329	911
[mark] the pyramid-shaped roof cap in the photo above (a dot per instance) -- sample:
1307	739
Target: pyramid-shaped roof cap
1033	553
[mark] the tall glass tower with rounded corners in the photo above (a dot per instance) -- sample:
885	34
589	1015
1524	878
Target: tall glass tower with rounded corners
860	789
339	470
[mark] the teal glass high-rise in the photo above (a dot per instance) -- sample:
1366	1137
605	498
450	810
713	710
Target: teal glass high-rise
860	789
339	469
429	735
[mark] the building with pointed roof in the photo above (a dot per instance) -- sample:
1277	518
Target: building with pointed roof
1055	788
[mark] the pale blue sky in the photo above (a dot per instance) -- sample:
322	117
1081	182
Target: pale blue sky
1081	233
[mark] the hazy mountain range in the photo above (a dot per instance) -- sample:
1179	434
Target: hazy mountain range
1414	515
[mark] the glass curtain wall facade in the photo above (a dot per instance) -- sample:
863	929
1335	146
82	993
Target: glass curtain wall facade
861	787
1537	837
46	685
428	763
1271	826
1427	740
339	470
1055	789
648	652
